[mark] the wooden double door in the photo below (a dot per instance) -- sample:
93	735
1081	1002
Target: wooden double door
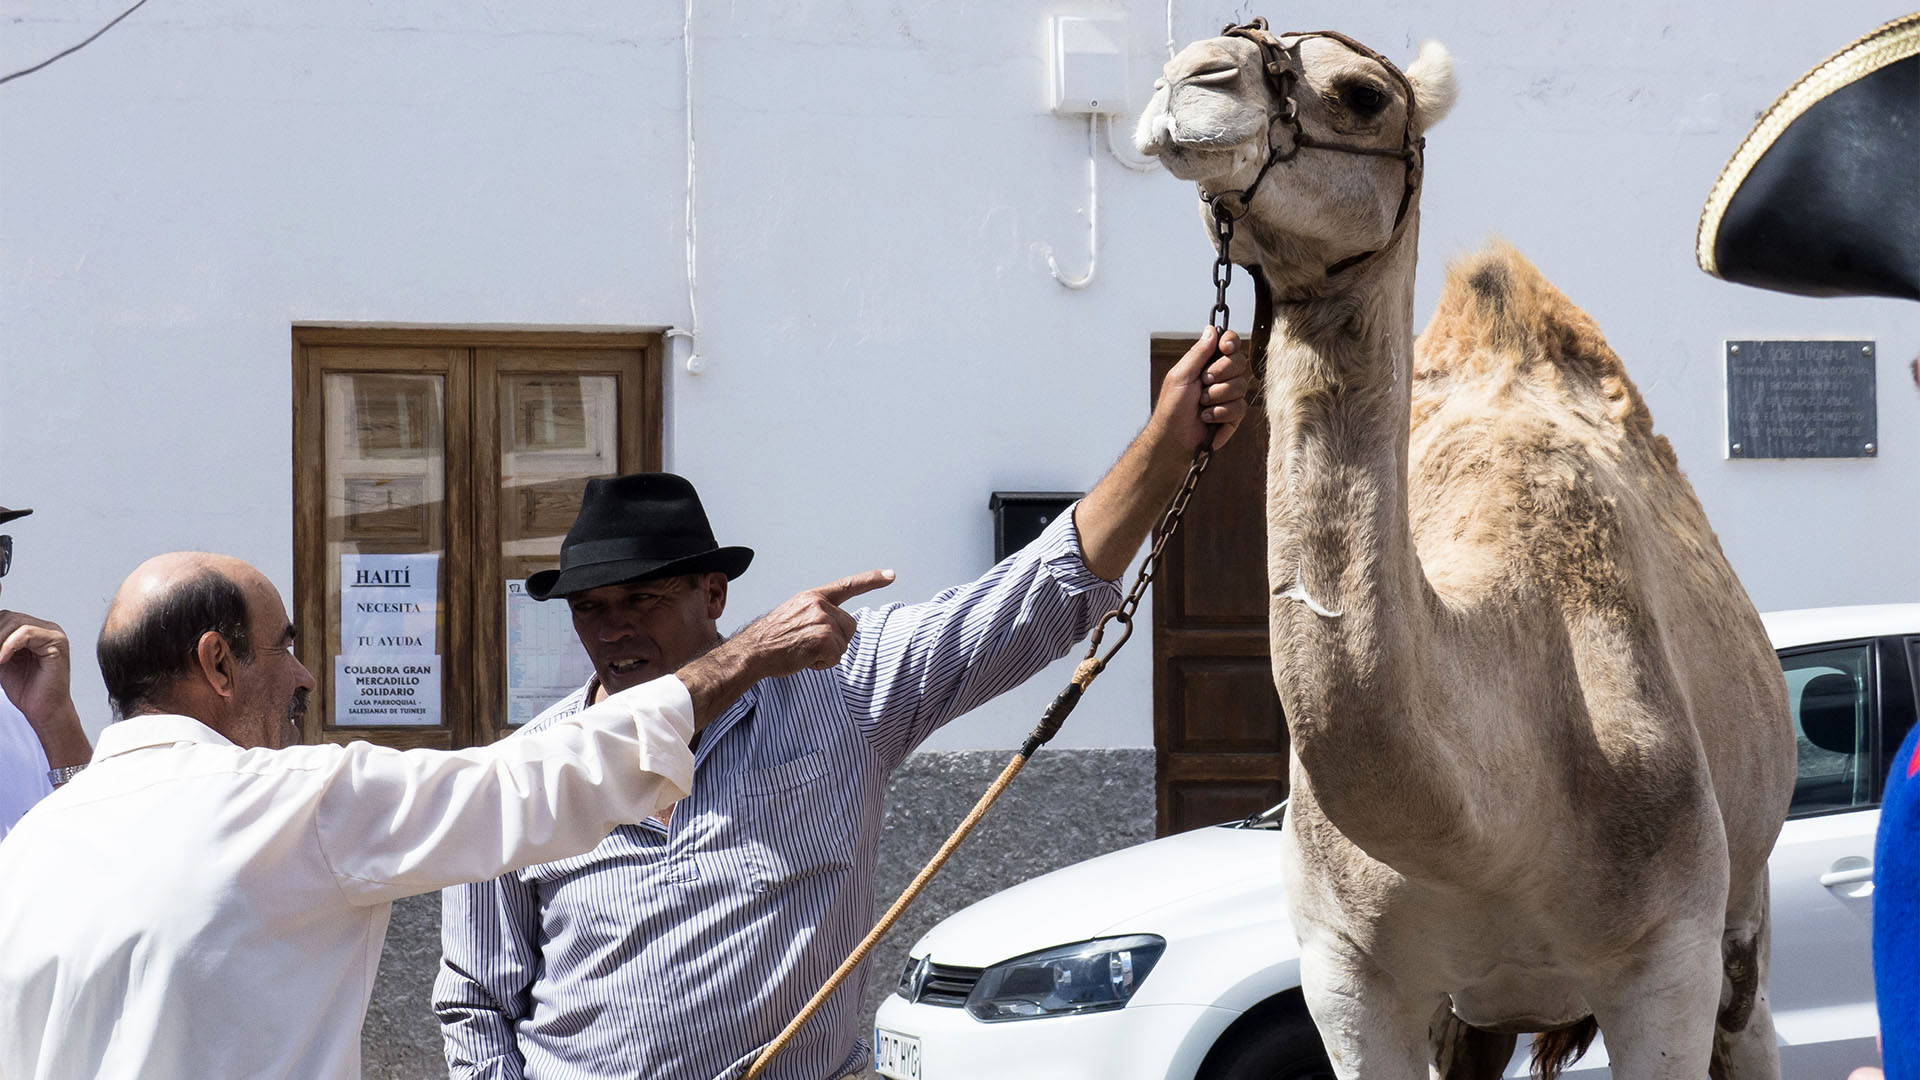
1220	740
434	470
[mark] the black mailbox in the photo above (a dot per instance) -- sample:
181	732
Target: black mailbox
1018	516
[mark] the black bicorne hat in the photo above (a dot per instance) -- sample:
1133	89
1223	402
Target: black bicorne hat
634	528
7	515
1823	197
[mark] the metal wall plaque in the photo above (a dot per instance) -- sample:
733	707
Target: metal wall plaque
1801	399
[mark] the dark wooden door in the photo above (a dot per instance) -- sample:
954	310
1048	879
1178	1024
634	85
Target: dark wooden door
1220	742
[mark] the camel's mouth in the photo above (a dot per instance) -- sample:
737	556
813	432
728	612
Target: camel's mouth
1195	126
1196	157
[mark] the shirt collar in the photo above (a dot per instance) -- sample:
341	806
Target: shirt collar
141	732
738	711
741	706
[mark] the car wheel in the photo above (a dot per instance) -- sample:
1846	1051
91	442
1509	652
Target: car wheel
1286	1049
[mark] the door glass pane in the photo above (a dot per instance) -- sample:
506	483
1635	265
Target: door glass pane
556	431
1827	693
386	542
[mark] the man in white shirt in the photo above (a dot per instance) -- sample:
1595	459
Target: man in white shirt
209	901
41	740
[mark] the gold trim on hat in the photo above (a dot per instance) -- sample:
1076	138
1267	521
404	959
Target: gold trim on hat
1889	44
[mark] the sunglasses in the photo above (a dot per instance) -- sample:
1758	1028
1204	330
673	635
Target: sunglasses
6	555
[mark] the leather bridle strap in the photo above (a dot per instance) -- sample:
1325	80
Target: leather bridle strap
1278	68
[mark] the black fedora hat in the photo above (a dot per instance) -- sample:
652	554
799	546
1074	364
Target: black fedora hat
633	528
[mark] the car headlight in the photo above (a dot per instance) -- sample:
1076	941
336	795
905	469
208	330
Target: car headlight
1092	976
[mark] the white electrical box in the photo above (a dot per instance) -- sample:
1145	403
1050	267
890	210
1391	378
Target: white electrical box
1089	64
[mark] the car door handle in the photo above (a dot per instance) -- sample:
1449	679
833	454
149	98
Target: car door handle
1850	876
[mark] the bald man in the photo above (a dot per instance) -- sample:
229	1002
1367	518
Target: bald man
207	900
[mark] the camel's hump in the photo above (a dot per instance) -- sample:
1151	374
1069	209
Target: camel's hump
1501	323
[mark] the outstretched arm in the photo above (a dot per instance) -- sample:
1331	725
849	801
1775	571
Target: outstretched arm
1204	397
917	667
808	631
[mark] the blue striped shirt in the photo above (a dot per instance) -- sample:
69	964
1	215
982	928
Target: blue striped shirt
675	953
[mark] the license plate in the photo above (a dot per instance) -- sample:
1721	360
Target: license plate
896	1055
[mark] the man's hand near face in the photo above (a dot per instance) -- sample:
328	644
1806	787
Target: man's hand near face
35	674
808	631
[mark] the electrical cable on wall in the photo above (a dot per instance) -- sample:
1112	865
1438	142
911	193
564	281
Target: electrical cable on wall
1137	164
72	49
695	363
1093	215
1087	75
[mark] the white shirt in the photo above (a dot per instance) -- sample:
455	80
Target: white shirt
188	908
23	766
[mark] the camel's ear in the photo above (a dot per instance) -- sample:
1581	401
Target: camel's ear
1433	87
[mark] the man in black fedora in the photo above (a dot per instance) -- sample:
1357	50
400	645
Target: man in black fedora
639	540
41	741
680	945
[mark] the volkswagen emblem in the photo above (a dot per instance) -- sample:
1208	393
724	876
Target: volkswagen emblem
920	971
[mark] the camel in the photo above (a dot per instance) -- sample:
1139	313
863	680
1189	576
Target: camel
1540	744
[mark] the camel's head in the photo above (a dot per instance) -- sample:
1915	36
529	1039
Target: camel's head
1217	116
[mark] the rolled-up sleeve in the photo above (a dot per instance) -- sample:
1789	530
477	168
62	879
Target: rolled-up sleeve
395	823
912	667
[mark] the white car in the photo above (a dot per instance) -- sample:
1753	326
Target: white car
1176	959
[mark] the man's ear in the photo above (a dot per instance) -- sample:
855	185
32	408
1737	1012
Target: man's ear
217	663
715	588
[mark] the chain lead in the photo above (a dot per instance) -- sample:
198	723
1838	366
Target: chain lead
1222	266
1096	661
1170	521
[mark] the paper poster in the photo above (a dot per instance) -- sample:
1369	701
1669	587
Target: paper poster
379	690
544	659
389	603
387	671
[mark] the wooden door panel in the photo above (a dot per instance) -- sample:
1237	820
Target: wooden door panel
1225	704
1220	740
552	419
1223	565
1214	802
379	440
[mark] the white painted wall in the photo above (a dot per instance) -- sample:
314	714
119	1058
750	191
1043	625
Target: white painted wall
884	345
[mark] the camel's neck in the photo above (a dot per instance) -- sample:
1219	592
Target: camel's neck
1350	608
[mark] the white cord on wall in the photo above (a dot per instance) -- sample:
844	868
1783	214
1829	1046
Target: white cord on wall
1093	215
695	363
1137	164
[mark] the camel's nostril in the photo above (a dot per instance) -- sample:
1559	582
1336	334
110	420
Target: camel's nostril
1212	75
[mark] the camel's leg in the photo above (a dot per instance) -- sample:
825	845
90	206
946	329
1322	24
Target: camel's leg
1658	1018
1745	1047
1371	1029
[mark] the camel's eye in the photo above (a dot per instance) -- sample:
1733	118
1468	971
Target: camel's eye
1363	98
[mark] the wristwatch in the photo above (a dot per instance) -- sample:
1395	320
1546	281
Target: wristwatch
64	773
